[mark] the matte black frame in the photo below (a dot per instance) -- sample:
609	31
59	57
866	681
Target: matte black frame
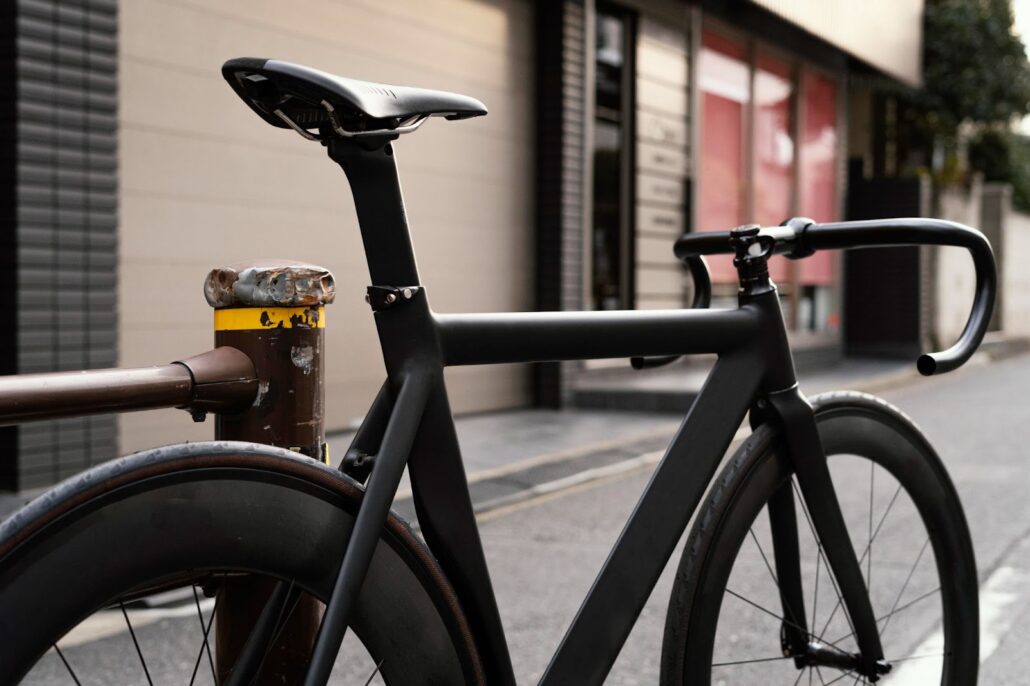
410	424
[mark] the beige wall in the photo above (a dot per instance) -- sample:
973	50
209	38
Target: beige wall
205	182
1015	286
956	276
662	153
888	34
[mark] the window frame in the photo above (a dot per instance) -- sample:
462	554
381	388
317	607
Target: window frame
627	162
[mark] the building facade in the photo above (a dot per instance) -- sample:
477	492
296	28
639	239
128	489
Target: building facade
672	117
614	127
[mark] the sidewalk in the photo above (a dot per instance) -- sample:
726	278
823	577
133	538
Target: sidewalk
517	454
673	389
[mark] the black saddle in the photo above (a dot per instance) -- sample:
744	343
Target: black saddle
301	98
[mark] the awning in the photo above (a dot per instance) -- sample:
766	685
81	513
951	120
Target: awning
885	34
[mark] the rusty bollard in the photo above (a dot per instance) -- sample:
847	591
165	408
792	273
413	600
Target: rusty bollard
273	312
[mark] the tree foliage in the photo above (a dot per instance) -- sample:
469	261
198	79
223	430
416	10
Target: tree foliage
1004	156
975	68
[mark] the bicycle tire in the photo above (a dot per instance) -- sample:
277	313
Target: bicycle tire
852	424
221	506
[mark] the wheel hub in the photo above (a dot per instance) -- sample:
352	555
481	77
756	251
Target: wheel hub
820	655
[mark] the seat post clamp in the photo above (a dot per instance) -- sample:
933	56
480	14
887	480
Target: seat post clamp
384	297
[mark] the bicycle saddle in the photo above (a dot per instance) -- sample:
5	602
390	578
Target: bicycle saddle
301	98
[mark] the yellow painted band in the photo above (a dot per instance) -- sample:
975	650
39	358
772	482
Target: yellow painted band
254	318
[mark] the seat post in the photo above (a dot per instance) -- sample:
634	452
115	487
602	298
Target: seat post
371	169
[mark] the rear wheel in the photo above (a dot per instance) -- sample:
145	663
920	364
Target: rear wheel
725	619
79	566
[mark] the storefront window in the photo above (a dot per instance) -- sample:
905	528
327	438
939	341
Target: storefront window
756	165
818	195
725	86
774	149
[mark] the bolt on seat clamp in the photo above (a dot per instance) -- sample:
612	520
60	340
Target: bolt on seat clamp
384	297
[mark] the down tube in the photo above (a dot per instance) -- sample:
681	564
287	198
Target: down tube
628	576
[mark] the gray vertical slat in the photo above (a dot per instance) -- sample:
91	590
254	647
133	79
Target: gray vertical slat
65	231
9	216
560	70
574	106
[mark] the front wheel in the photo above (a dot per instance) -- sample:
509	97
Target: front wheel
114	577
726	622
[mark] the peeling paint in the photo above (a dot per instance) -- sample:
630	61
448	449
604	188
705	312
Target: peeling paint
277	283
262	391
303	357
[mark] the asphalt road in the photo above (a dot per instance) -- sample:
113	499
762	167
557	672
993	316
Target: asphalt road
545	552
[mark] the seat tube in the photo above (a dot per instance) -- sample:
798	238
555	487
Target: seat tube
273	312
371	169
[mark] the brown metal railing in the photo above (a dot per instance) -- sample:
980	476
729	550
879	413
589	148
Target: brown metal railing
264	383
221	380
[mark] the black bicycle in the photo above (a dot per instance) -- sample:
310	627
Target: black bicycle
832	546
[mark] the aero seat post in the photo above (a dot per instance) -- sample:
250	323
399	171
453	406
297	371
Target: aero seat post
273	312
371	169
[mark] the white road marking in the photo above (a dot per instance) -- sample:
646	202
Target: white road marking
997	595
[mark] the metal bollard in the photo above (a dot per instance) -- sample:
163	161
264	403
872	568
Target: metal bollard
273	312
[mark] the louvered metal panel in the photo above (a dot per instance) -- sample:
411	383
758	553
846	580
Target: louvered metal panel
561	49
61	177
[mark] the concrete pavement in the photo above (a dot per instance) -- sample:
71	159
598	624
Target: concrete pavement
546	551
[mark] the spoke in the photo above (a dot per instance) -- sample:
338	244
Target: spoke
801	673
819	549
815	595
819	673
285	612
136	643
905	585
772	574
900	609
205	645
845	675
374	672
869	558
265	631
773	614
71	672
910	604
757	659
865	552
764	558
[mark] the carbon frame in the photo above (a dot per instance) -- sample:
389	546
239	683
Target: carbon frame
410	424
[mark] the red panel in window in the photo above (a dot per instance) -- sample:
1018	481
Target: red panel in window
722	44
725	86
774	148
819	167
